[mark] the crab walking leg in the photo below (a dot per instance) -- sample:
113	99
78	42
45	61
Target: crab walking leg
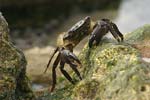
91	40
117	31
54	71
51	59
74	67
115	35
97	34
65	73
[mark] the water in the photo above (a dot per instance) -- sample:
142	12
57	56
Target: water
133	14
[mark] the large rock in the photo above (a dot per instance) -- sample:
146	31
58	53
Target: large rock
113	72
110	71
14	84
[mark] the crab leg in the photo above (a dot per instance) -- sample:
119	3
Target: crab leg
65	73
54	72
117	31
74	67
91	40
51	59
93	37
115	35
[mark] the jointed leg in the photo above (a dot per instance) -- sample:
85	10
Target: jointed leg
51	59
54	72
114	33
117	31
65	73
97	41
91	40
74	67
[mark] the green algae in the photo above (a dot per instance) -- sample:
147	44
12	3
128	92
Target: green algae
138	35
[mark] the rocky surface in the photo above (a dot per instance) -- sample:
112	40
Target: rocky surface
110	71
14	84
140	39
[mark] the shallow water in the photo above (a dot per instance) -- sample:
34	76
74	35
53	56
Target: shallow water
133	14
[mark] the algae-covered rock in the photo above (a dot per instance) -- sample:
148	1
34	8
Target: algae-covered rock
140	34
14	84
115	72
140	39
110	71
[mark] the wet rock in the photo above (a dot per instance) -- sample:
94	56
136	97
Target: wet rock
14	84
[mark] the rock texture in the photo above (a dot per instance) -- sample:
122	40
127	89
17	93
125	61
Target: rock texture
115	72
140	39
111	71
14	84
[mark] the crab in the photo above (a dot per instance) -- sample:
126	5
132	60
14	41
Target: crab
72	37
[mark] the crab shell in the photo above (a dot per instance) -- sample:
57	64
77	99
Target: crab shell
76	33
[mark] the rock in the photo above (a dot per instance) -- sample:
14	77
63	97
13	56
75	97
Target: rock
113	72
110	71
140	39
14	84
138	35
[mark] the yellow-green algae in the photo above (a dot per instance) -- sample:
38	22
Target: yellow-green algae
110	71
116	72
138	35
14	84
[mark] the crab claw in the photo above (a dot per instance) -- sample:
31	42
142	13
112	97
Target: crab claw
68	56
74	57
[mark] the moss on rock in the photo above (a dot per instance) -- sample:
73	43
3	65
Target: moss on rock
116	72
111	71
138	35
14	84
140	39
